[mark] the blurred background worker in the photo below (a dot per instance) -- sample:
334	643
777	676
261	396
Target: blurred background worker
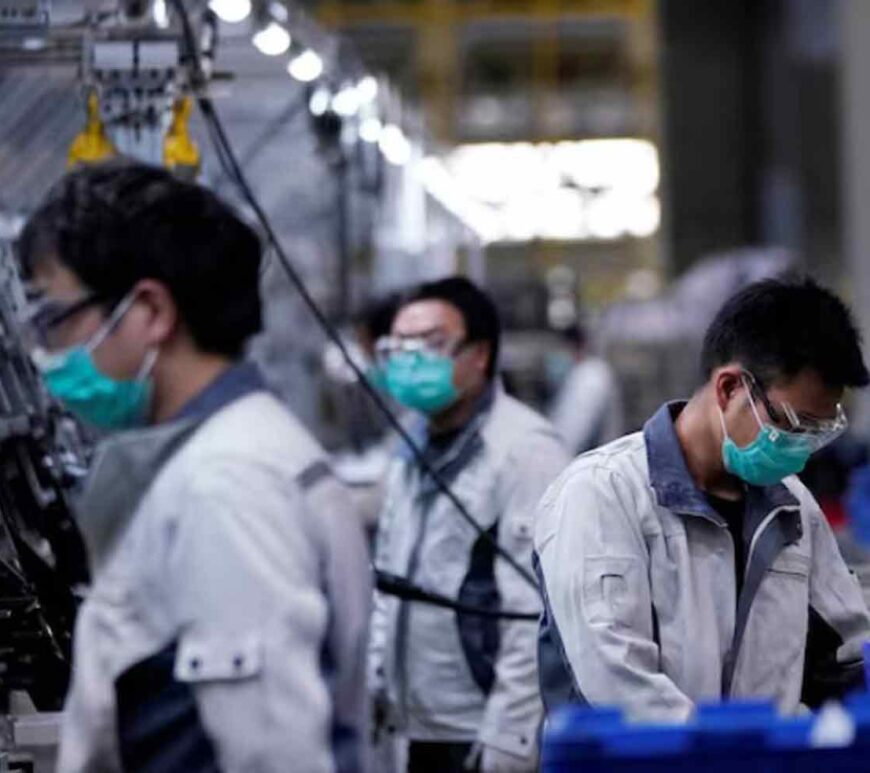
688	562
461	687
225	625
587	409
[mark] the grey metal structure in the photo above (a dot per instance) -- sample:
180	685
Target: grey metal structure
42	559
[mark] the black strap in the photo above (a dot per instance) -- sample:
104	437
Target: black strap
401	587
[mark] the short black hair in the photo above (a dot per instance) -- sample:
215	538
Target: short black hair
481	317
376	317
777	328
116	223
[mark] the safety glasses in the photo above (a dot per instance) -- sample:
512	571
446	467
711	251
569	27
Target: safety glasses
818	432
45	315
434	345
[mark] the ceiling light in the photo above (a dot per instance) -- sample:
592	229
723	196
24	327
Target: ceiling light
231	11
346	102
160	14
272	40
319	102
370	130
367	89
395	145
306	67
279	11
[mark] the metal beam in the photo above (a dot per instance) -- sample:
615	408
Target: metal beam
340	13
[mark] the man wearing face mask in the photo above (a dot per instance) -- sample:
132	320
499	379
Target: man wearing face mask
461	688
687	562
225	627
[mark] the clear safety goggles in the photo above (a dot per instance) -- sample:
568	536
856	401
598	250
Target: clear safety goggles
44	316
391	346
817	432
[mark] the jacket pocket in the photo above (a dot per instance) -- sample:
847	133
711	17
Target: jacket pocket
210	658
607	596
794	565
770	661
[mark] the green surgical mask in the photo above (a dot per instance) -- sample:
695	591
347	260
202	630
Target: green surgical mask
774	454
72	377
422	381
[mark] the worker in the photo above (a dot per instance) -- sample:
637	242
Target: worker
587	409
225	626
461	688
686	562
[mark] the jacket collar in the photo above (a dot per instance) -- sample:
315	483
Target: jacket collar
673	485
419	430
452	460
238	381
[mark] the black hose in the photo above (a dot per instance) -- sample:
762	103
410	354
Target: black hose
225	153
401	587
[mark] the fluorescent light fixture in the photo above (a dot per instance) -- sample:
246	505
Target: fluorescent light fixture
231	11
272	40
395	145
601	189
367	89
346	102
370	130
442	187
306	67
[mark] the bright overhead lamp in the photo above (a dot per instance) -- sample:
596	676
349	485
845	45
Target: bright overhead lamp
306	67
319	102
231	11
272	40
370	130
161	14
346	102
279	11
367	89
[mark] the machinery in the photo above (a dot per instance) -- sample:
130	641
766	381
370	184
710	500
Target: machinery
134	93
42	559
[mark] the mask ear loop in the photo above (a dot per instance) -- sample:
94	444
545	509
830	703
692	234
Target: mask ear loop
751	405
722	421
111	323
148	364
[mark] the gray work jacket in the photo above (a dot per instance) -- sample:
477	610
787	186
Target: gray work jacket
225	628
457	677
641	602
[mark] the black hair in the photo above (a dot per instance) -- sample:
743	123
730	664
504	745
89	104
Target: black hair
116	223
481	317
777	328
376	317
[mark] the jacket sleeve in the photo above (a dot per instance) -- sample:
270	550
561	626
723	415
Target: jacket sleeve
594	565
838	621
347	581
514	711
255	577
